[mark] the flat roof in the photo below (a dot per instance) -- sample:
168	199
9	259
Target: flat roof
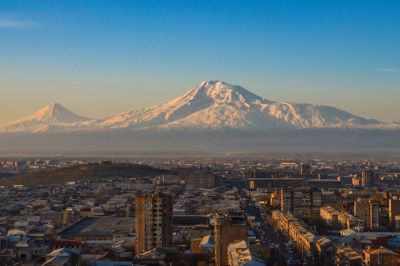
99	226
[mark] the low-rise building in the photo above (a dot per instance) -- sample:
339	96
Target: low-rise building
345	255
240	254
334	217
296	230
380	256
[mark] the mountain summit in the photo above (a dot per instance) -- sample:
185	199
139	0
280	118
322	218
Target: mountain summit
222	93
50	116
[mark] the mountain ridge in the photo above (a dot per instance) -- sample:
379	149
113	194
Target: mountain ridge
211	105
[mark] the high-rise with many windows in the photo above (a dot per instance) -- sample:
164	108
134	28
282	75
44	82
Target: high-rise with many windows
367	178
153	221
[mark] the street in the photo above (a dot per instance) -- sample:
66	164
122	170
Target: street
266	235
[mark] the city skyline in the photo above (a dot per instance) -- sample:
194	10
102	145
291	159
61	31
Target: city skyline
121	57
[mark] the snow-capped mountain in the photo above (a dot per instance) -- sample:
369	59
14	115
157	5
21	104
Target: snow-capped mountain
52	116
212	105
218	105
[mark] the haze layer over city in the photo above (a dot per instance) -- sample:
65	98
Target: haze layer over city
191	133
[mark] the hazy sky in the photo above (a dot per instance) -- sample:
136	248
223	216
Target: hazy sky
98	58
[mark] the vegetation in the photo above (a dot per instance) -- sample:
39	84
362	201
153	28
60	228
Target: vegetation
81	173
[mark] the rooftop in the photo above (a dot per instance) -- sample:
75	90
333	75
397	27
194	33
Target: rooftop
99	226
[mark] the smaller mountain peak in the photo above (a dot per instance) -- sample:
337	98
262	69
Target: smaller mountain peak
54	113
55	104
51	109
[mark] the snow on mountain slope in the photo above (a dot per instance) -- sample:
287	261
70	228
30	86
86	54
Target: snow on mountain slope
317	116
51	116
218	105
210	105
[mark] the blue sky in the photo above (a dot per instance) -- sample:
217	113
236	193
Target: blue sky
103	57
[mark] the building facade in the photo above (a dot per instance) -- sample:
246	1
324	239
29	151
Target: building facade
394	210
300	201
227	230
367	178
153	221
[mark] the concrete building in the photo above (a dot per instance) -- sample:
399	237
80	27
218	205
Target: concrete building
380	256
397	223
153	221
369	211
300	201
394	210
329	215
240	254
334	217
296	230
227	230
141	185
199	180
50	215
326	184
305	170
367	178
68	216
374	213
275	183
63	257
361	209
345	255
99	228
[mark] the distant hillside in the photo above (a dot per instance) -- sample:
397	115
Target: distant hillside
81	173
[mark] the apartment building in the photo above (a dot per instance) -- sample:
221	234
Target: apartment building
153	221
333	217
296	230
227	229
300	201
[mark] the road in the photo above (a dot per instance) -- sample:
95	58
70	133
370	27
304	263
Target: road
265	232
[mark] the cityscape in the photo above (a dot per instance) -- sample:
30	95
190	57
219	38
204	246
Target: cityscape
200	133
232	210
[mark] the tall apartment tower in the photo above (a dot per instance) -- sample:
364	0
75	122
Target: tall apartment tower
361	210
394	210
305	169
369	211
153	221
227	230
373	215
367	178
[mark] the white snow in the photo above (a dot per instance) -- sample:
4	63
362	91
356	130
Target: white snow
53	116
218	105
210	105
